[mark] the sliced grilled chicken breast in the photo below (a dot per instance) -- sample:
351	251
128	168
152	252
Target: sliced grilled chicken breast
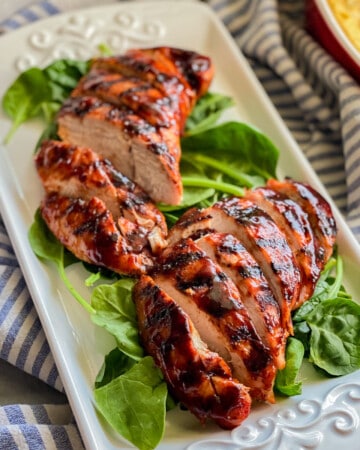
147	155
143	98
256	295
214	305
319	214
74	171
88	230
293	222
261	237
198	378
180	74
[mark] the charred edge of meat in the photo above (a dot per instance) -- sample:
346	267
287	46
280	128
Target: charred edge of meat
293	222
199	283
88	230
255	292
319	214
197	377
147	101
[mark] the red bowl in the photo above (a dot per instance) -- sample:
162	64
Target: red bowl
322	24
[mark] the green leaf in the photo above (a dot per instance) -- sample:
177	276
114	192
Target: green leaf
115	364
63	75
207	111
115	311
335	336
285	381
235	145
47	248
23	99
39	92
134	404
43	242
326	288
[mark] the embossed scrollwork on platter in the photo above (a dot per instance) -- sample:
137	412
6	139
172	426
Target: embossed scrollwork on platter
297	427
80	37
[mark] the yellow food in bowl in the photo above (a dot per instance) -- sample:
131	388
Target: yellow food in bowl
347	13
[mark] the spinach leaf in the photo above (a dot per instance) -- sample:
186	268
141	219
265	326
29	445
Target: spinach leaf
285	381
115	311
24	98
326	288
207	112
115	364
335	336
236	145
135	404
40	92
48	248
63	75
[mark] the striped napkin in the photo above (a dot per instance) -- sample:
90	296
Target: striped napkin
320	104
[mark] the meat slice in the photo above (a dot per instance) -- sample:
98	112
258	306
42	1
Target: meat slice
214	305
143	98
88	230
294	223
183	75
198	378
256	295
319	214
74	171
261	237
147	155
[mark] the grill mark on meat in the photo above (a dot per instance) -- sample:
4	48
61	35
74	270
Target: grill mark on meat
318	212
79	172
213	302
293	221
256	295
88	230
197	377
140	96
263	239
127	141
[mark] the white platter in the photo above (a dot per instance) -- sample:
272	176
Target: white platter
327	414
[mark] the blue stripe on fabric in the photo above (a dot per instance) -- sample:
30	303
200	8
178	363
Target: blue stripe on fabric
353	131
14	414
40	358
27	344
33	437
354	166
353	113
49	8
329	170
6	440
354	147
269	50
356	183
353	204
53	376
5	277
41	414
9	262
20	286
261	40
29	15
15	328
7	247
60	437
10	23
237	12
288	71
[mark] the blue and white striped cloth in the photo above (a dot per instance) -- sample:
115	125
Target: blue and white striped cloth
320	104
